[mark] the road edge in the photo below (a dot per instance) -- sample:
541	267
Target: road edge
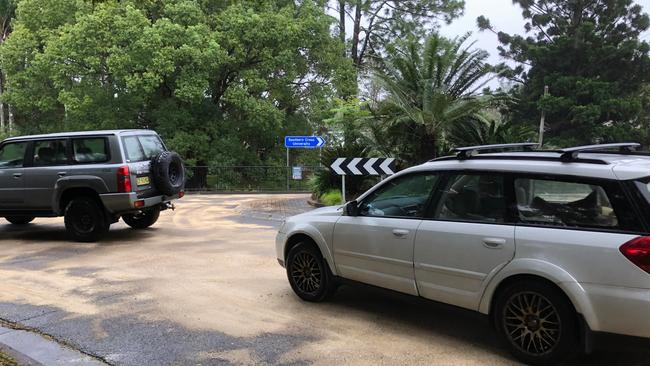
30	346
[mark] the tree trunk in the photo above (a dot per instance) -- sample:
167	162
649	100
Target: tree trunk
2	104
11	118
356	33
342	25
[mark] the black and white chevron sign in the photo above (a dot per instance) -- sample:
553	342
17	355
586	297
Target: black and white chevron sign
363	166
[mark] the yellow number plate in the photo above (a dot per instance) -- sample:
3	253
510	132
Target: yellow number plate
142	181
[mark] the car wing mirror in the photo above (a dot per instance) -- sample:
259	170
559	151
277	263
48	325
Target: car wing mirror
352	208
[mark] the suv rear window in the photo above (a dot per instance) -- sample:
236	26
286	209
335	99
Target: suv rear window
142	147
563	203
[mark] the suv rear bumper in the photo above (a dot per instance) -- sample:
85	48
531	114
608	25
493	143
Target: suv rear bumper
118	203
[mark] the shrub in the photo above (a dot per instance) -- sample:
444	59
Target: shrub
332	198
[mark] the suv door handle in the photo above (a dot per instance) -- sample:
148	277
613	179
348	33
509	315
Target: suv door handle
494	243
62	174
18	175
400	233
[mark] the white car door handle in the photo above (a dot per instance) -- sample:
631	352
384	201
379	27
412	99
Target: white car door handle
494	243
400	233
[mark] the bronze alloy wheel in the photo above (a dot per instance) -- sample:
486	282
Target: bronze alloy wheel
532	323
306	272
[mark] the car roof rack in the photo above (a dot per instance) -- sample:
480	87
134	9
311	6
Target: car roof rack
571	153
463	153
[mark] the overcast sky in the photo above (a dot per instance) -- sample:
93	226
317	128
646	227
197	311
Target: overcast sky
504	16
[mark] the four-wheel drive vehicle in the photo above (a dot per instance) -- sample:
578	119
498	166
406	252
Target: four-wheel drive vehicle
90	178
553	245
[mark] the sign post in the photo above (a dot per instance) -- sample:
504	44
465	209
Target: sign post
301	142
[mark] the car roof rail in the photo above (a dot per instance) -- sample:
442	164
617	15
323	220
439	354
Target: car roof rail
571	153
467	152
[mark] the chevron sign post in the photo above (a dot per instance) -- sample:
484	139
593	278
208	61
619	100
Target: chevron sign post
361	166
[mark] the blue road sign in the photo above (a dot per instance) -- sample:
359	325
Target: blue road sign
305	142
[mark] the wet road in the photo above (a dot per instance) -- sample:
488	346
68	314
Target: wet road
203	287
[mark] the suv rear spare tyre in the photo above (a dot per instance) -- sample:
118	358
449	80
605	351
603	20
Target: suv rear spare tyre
168	173
85	219
19	220
144	219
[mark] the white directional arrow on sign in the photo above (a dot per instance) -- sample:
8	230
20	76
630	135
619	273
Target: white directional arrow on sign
353	166
320	140
385	166
368	166
337	166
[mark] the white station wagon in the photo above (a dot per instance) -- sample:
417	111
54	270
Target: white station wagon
553	245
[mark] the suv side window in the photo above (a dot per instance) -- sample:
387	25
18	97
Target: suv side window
90	150
142	147
564	203
406	197
50	152
133	149
473	197
151	145
12	155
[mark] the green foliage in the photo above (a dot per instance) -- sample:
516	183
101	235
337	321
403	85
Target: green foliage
348	121
332	198
590	55
429	91
489	128
219	80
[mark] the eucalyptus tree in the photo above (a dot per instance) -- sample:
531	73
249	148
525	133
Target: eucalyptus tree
7	14
375	23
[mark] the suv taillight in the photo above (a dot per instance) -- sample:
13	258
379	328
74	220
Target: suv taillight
637	251
124	179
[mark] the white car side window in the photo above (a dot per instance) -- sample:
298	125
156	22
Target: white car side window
560	203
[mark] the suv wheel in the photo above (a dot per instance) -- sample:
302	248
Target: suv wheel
20	220
537	322
143	219
85	219
309	274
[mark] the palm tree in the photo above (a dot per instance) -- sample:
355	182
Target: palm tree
489	128
428	90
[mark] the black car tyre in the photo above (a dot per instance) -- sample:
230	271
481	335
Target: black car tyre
144	219
85	219
537	321
168	173
20	220
308	273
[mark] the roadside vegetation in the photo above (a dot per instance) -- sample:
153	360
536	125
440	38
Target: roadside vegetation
224	81
6	360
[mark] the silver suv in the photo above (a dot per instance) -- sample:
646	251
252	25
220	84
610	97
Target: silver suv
553	246
90	178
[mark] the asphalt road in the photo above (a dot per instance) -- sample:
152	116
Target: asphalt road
203	287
